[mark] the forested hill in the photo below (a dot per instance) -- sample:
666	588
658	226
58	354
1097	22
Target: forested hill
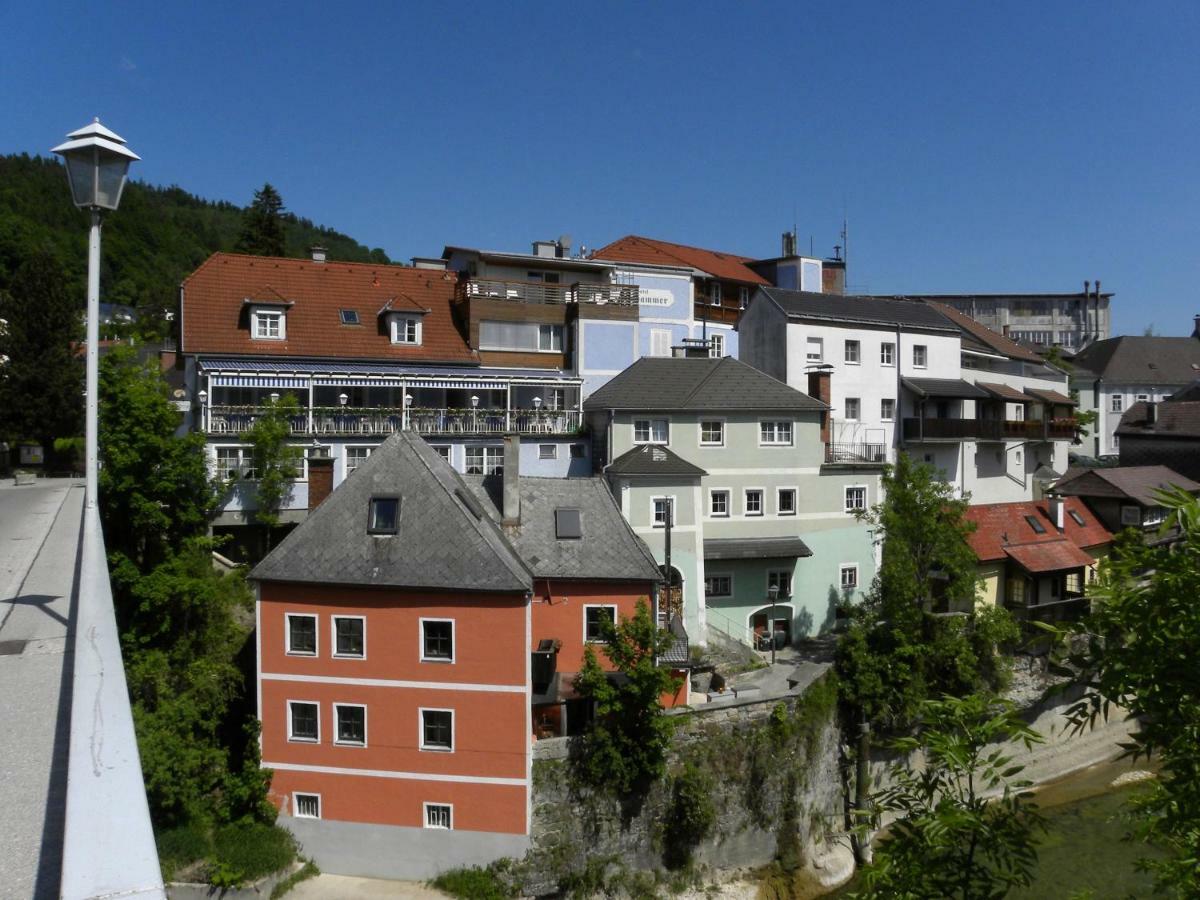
150	244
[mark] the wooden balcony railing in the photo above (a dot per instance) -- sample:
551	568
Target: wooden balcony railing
541	292
382	421
989	429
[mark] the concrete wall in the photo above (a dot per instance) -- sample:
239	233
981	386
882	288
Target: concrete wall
760	344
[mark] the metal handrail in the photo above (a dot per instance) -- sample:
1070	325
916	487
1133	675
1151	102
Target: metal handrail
350	421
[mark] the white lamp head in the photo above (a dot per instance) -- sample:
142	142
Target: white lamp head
97	165
474	400
537	402
343	399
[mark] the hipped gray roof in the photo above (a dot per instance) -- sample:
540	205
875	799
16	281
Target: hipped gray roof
653	459
1140	483
1133	359
697	383
440	543
860	310
608	549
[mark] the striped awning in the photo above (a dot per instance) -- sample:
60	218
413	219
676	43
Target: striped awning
262	381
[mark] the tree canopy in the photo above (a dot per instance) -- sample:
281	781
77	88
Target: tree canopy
262	224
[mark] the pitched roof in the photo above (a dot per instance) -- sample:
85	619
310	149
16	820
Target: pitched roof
1132	482
440	543
697	383
1142	360
1177	419
1048	556
1001	525
652	459
756	548
215	321
992	340
1003	392
725	266
1050	396
944	387
860	310
608	550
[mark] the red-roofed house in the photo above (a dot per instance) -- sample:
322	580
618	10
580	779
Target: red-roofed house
1037	557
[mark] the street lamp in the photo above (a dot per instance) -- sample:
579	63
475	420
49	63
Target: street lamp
97	164
343	399
773	593
474	412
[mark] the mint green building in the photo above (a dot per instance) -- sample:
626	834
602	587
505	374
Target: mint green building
737	461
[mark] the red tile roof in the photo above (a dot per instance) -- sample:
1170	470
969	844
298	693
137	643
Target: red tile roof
993	339
1049	556
214	297
725	266
1001	526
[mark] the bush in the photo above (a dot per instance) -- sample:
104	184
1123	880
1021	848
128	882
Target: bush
181	846
475	883
253	850
691	816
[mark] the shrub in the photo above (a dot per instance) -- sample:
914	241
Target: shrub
475	883
181	846
691	816
253	850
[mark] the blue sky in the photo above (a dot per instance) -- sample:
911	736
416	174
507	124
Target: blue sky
973	147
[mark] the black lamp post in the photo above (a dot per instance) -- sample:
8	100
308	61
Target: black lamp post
773	593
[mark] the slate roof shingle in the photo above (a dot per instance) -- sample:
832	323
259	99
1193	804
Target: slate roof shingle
1138	483
608	550
440	544
697	383
1001	525
1173	419
653	459
1132	359
860	310
214	319
724	266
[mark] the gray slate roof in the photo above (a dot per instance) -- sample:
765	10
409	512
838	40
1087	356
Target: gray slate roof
652	459
1135	482
860	310
944	387
755	548
666	383
1177	419
440	543
1142	360
608	550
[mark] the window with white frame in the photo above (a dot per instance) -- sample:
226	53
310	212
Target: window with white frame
716	346
754	502
1118	403
350	636
849	577
547	451
743	297
356	456
782	579
439	815
887	409
920	356
597	621
304	721
852	410
714	295
712	433
661	509
650	431
1141	398
856	498
351	724
437	640
814	349
383	515
785	502
442	450
306	806
775	433
235	462
437	729
520	336
268	324
852	352
485	460
301	634
660	342
887	354
718	585
406	329
550	338
556	398
718	503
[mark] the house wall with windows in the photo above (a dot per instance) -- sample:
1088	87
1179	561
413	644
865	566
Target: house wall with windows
1111	401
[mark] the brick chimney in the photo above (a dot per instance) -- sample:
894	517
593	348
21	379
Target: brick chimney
818	389
512	480
320	475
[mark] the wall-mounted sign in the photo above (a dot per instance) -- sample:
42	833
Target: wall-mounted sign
655	297
31	455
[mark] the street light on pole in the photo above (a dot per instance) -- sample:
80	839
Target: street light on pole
97	165
773	593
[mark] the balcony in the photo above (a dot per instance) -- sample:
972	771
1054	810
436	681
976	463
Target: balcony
542	292
856	454
339	421
920	430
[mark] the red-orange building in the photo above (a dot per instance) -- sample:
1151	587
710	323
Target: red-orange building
397	687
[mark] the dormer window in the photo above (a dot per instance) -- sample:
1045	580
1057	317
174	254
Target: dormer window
268	324
384	515
406	329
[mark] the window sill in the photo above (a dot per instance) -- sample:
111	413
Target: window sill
437	749
358	744
358	656
437	660
303	740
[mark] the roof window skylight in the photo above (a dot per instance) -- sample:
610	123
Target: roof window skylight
568	525
349	316
384	517
1037	526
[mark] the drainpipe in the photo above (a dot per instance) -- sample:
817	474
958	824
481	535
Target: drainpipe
898	425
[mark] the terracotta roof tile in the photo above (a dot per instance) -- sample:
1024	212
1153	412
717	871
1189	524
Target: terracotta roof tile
725	266
214	320
1000	526
991	339
1048	556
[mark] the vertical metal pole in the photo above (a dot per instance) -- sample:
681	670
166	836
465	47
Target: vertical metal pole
667	561
862	792
771	625
93	364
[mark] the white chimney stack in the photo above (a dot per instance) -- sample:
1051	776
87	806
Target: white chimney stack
511	480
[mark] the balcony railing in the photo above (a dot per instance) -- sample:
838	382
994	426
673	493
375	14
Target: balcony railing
988	429
382	421
856	453
541	292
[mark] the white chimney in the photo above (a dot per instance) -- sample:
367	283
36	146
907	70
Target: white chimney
511	480
1057	511
318	253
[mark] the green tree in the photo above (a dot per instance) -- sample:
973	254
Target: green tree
624	749
965	828
262	225
1138	651
897	652
275	462
155	489
41	380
